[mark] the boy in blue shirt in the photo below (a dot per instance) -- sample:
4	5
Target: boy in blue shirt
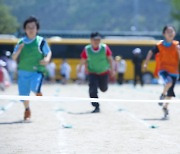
32	53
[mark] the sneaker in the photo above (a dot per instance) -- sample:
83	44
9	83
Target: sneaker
39	94
166	112
96	110
162	97
27	114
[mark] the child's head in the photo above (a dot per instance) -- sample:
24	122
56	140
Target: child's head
169	33
95	39
118	58
31	26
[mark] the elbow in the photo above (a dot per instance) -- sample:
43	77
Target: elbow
14	57
150	52
50	54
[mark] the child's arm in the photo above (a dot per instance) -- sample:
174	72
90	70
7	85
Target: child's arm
46	59
44	47
17	53
148	57
82	62
110	59
178	47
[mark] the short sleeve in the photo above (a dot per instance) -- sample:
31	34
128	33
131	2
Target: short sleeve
17	45
84	54
155	50
108	51
16	48
45	48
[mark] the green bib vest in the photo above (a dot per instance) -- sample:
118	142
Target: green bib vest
30	56
97	60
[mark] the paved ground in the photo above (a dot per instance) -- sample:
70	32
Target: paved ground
120	128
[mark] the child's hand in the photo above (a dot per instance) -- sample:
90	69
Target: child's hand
16	55
145	67
112	73
44	62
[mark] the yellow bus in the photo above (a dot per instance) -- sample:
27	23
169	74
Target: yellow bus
71	49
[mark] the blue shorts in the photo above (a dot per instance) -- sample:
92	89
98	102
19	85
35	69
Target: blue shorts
29	81
169	78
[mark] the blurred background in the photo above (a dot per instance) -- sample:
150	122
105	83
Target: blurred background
67	24
86	15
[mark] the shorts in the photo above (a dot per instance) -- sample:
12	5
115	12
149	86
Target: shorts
29	81
168	78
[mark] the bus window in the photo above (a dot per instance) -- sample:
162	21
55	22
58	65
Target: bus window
66	51
126	51
6	47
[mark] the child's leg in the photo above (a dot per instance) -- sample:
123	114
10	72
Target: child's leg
24	90
26	104
103	82
27	113
135	78
93	90
165	108
170	91
166	104
166	88
36	83
168	81
170	94
141	78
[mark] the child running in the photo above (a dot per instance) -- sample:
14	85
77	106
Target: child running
168	52
32	53
98	58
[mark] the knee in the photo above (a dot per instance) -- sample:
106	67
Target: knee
104	89
169	84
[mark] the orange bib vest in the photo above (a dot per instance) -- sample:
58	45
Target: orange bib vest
168	58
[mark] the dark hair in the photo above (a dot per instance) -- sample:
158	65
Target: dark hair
95	35
166	27
31	19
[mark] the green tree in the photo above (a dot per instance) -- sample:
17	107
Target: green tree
97	15
176	12
8	23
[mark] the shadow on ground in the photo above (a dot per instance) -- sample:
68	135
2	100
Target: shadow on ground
15	122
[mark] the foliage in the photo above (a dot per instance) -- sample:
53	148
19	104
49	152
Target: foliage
8	23
176	12
92	15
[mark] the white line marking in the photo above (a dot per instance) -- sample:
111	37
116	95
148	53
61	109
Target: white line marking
8	106
133	116
60	99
